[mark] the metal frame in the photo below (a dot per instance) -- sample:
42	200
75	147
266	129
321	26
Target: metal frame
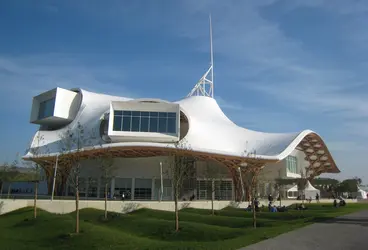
204	86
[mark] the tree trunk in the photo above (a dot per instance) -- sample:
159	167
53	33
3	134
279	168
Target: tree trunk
1	190
213	210
106	185
280	197
35	201
9	188
254	211
77	204
176	198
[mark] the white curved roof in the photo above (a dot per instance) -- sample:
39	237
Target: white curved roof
210	131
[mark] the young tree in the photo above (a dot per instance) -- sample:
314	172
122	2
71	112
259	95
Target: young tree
106	163
35	149
180	167
328	185
280	184
212	174
250	177
250	169
302	182
4	176
12	173
71	146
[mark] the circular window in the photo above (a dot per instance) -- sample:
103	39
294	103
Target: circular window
104	128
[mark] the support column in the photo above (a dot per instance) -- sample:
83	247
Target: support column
133	187
232	190
98	187
213	190
87	186
153	190
112	187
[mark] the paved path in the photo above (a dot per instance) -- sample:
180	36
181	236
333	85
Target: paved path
343	233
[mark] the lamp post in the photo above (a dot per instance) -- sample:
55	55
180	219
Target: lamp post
54	181
162	183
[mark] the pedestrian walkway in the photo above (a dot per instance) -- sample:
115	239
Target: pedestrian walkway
342	233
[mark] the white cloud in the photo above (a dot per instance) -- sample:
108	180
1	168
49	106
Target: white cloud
28	76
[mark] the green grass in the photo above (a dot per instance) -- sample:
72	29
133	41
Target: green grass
230	228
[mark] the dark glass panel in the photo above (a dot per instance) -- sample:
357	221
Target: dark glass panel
117	123
171	125
153	124
126	123
162	125
46	108
144	124
171	115
118	112
135	123
145	114
154	114
127	112
136	113
162	114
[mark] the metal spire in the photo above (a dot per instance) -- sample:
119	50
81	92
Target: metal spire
204	86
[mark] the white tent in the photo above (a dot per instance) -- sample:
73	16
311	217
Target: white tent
293	192
361	194
311	192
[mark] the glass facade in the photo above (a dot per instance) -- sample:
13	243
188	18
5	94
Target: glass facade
223	190
93	188
167	190
292	164
143	189
123	185
46	108
145	121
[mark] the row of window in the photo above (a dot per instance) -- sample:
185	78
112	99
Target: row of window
222	190
46	108
91	187
143	121
292	164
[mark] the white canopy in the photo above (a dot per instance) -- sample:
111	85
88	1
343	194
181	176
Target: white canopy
310	191
293	192
293	189
361	194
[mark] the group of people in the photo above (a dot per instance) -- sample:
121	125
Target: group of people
341	202
271	207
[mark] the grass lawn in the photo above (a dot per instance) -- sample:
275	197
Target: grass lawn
230	228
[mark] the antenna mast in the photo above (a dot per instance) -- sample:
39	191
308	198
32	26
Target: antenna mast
204	86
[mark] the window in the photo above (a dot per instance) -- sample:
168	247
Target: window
144	121
291	164
223	190
46	108
143	189
92	187
204	188
123	185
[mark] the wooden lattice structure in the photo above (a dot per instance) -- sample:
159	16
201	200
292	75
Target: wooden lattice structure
317	154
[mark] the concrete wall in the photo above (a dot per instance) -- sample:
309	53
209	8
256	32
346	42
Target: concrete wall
68	206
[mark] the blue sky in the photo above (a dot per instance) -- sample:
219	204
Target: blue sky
280	66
